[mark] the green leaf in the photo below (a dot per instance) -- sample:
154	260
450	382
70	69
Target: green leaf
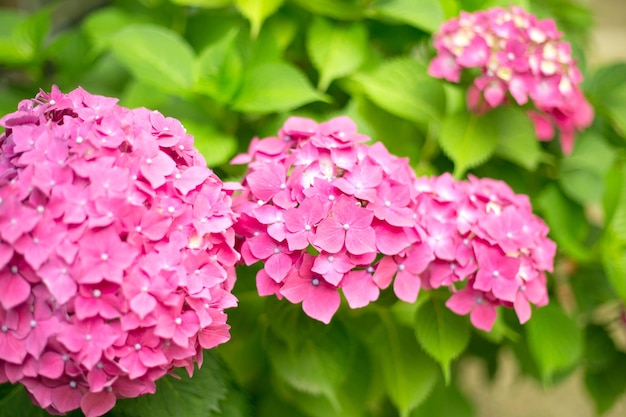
208	4
554	339
608	384
443	334
426	15
14	401
581	175
274	87
468	139
102	24
445	401
338	9
336	50
409	374
568	226
516	138
220	69
190	397
216	147
355	392
403	88
614	261
256	11
21	36
155	55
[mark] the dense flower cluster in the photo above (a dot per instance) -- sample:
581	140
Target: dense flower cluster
324	211
483	233
518	54
116	251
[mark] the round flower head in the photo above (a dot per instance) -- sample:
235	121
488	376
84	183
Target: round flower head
320	208
486	235
116	251
518	56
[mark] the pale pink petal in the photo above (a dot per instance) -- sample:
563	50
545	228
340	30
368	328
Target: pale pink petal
359	289
406	286
322	303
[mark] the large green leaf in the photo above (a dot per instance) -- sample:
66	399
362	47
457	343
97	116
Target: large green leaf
220	69
310	356
614	261
516	138
102	24
581	175
155	55
445	401
209	4
21	35
555	341
409	374
403	88
256	11
604	377
199	396
336	50
568	226
274	87
338	9
14	402
468	139
423	14
216	147
443	334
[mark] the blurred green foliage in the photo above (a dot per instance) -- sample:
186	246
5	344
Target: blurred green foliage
234	69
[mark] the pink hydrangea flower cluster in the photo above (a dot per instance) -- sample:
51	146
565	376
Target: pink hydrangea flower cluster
517	54
116	251
486	235
324	212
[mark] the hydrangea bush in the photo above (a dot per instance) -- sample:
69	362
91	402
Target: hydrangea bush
495	244
117	251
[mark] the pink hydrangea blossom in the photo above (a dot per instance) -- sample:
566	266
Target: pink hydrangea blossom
116	251
349	217
320	208
521	59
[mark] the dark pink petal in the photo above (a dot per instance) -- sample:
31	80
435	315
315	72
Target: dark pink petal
51	365
462	302
96	404
278	265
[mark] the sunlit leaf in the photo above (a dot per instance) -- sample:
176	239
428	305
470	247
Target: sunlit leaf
220	69
403	88
274	87
338	9
581	175
423	14
468	139
554	339
216	147
335	50
443	334
256	11
155	55
516	138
